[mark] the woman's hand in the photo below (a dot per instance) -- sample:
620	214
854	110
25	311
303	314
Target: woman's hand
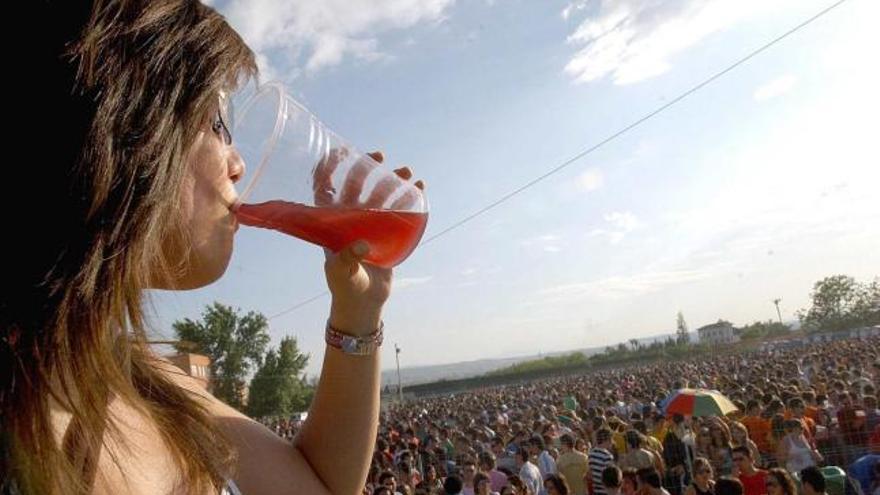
358	289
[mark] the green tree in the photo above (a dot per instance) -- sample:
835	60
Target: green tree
681	332
763	329
279	386
840	302
235	344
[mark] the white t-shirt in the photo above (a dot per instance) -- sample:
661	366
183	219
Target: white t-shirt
531	477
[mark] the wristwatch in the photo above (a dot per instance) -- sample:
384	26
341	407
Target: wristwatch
351	344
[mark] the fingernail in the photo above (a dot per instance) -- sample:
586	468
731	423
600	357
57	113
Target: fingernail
361	248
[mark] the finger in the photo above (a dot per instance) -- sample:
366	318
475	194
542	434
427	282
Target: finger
354	182
377	155
347	262
322	182
382	192
355	252
404	173
406	201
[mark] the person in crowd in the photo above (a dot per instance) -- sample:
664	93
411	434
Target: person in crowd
483	485
753	479
722	447
703	447
637	456
794	451
703	483
545	462
452	485
728	485
612	480
779	482
468	473
600	457
650	482
677	455
572	464
812	481
630	483
528	472
740	438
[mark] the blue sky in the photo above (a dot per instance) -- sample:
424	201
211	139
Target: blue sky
751	189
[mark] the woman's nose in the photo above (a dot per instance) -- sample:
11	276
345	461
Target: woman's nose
236	166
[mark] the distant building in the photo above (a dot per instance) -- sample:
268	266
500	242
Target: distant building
194	365
719	333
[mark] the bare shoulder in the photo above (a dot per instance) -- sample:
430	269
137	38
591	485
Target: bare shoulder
267	464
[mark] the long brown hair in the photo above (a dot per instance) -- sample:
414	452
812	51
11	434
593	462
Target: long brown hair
124	88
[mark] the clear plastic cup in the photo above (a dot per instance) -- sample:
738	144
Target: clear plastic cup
304	180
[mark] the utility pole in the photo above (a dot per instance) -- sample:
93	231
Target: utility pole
778	313
399	386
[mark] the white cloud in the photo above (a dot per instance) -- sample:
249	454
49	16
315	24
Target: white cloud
774	88
804	183
402	283
624	221
633	40
621	224
548	243
313	34
590	180
573	7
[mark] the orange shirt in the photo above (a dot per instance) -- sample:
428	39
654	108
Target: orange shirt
759	432
808	422
812	413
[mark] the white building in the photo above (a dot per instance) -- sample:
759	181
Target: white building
718	333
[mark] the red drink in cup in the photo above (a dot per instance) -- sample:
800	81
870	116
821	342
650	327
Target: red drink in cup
305	181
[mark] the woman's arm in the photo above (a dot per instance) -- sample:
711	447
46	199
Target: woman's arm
331	454
340	432
339	435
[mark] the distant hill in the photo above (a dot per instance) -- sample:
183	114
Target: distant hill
425	374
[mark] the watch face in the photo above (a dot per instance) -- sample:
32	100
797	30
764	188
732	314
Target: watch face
349	344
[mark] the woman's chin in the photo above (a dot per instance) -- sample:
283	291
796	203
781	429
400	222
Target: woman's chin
202	269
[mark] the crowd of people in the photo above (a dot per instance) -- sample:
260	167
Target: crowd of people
605	433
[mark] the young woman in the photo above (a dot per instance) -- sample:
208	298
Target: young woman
703	483
739	436
703	446
794	451
134	175
722	461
